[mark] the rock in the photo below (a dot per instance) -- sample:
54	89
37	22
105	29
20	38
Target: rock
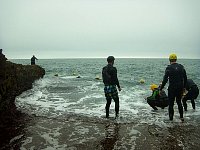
16	79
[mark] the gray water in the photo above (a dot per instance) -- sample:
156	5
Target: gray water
66	102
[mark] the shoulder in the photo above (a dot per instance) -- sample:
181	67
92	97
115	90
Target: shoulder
180	65
168	68
114	69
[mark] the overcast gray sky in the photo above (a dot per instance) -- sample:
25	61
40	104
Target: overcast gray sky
98	28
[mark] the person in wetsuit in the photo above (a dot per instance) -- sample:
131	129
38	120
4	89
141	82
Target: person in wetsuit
2	66
157	99
110	80
192	94
33	60
177	83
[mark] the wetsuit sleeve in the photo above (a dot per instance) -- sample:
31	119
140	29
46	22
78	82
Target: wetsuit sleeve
165	78
184	78
115	78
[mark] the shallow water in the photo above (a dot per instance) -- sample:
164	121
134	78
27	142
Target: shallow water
70	111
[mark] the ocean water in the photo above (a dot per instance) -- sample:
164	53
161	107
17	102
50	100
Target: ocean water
66	98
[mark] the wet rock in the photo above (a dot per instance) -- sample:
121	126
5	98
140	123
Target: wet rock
15	79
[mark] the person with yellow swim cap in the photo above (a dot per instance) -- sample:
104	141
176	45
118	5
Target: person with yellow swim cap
177	77
153	87
156	99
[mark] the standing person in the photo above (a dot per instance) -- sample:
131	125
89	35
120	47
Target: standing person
110	80
2	65
192	94
33	60
177	83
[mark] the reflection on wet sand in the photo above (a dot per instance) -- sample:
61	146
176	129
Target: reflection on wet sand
111	136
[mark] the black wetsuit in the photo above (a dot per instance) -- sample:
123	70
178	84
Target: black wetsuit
177	82
192	94
158	100
33	60
110	80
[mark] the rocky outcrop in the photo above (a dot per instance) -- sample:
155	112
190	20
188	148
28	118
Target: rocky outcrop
14	79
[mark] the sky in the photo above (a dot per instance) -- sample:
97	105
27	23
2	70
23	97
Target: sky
99	28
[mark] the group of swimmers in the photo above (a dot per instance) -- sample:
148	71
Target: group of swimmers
180	88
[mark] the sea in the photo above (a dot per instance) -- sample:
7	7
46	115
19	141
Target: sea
68	103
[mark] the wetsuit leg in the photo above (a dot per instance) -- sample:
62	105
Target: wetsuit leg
193	103
178	101
171	96
194	95
108	106
184	100
32	62
116	99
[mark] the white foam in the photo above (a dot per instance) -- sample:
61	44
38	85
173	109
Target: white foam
16	138
69	77
88	99
28	140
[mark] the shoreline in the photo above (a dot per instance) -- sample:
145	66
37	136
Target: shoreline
111	134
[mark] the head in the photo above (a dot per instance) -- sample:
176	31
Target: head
0	51
153	87
172	58
110	59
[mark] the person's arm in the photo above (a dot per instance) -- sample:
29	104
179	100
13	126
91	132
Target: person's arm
165	79
184	78
115	78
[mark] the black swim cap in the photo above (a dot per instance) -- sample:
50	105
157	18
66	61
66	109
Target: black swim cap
110	59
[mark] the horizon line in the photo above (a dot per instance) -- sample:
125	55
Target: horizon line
106	57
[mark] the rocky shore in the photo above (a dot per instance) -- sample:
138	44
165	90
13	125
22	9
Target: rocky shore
14	79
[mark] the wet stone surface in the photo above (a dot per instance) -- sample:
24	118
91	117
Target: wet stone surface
73	133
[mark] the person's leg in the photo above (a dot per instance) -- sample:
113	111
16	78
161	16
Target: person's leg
178	101
116	99
107	91
184	100
171	96
188	96
193	103
108	106
195	94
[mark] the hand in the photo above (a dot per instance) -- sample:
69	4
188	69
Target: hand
184	92
119	89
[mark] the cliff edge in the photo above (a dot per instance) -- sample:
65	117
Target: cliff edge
15	79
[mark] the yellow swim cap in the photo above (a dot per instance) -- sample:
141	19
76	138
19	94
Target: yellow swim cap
153	87
172	57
